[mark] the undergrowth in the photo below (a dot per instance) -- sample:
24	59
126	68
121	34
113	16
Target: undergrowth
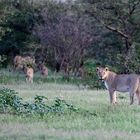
11	103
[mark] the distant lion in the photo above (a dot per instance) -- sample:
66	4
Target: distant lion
120	82
20	61
43	69
29	72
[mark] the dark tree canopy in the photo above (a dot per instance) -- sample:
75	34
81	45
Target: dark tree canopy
69	34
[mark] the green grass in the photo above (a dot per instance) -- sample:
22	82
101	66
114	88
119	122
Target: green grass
18	77
96	120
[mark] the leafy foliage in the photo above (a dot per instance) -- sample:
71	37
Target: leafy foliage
16	24
60	106
10	102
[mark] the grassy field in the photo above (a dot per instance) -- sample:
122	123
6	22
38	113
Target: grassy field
108	122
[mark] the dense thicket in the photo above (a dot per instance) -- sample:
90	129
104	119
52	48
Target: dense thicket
73	35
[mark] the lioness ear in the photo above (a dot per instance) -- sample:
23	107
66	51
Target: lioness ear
106	68
97	68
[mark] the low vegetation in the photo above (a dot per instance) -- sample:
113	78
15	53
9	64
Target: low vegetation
56	111
11	103
69	39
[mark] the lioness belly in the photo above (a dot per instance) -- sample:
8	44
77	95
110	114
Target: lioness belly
124	88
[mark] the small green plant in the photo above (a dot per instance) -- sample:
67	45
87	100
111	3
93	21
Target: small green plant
60	106
10	102
38	106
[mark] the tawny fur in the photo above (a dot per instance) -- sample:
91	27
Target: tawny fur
29	72
120	82
43	69
20	61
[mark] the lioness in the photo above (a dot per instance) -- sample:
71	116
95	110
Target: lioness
43	69
20	62
120	82
29	72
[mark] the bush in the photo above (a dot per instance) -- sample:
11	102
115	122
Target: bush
11	103
91	79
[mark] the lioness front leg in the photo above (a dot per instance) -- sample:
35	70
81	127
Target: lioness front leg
112	97
131	98
31	80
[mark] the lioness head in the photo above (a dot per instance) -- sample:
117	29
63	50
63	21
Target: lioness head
102	72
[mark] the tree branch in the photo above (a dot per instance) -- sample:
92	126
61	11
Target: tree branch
133	7
117	31
108	26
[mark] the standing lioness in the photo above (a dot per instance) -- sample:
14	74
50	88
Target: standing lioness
29	73
120	82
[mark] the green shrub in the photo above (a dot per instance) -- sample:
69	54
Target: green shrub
91	78
60	106
11	103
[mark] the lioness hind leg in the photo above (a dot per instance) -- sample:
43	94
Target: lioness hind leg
134	88
138	96
31	80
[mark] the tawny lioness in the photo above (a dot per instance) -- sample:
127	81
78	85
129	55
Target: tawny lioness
43	69
29	73
120	82
20	61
